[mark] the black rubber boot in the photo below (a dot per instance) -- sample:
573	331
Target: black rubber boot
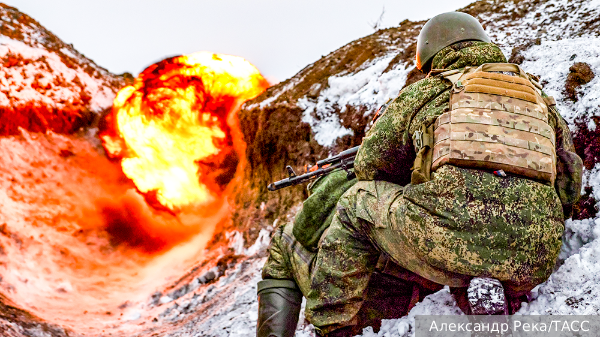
279	303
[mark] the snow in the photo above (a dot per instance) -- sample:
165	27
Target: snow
60	84
324	123
225	308
369	87
279	91
578	233
236	242
552	20
551	61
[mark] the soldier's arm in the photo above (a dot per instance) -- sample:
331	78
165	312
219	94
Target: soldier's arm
569	166
384	154
387	152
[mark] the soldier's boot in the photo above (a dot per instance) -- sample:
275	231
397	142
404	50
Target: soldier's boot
279	303
486	297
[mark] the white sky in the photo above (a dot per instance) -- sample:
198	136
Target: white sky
280	37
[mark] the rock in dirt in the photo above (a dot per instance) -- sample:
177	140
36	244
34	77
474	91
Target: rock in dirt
580	74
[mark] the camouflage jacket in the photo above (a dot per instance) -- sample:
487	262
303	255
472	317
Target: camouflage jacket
468	221
387	152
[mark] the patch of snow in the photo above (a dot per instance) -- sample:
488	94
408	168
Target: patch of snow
291	84
551	61
236	242
325	123
551	20
165	299
591	179
44	78
133	316
262	242
67	52
578	233
369	87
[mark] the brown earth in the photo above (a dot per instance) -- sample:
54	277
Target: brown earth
15	322
587	146
71	115
580	74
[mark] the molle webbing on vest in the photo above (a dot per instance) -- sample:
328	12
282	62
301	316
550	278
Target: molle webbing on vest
501	88
496	121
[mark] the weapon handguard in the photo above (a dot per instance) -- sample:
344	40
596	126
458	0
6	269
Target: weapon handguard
343	160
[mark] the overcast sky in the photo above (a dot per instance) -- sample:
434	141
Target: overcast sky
280	37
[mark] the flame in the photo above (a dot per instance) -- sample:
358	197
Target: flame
171	130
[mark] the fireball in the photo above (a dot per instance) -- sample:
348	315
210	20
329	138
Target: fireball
171	130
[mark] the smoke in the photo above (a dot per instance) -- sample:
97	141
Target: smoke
85	236
129	221
77	240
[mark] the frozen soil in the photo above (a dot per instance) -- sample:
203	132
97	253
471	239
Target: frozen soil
45	84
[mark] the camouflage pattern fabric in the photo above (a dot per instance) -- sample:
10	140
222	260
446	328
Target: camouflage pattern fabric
385	296
496	132
318	209
387	152
288	259
462	223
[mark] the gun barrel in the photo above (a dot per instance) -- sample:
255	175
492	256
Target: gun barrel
279	184
308	176
342	155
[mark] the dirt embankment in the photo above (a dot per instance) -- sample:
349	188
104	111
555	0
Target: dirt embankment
48	85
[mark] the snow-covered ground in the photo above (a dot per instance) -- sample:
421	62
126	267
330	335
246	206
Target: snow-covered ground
41	76
369	87
40	70
216	302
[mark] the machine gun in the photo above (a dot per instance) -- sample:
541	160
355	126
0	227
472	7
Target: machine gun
343	160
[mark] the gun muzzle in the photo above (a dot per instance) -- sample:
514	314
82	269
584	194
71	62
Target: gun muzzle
279	184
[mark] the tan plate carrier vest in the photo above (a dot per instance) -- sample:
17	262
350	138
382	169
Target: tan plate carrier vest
497	121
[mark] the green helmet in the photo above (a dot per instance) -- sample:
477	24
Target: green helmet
444	30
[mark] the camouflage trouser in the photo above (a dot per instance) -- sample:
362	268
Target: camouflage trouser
288	259
385	296
367	223
349	252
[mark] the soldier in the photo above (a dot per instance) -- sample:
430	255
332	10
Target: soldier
494	174
464	180
286	274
